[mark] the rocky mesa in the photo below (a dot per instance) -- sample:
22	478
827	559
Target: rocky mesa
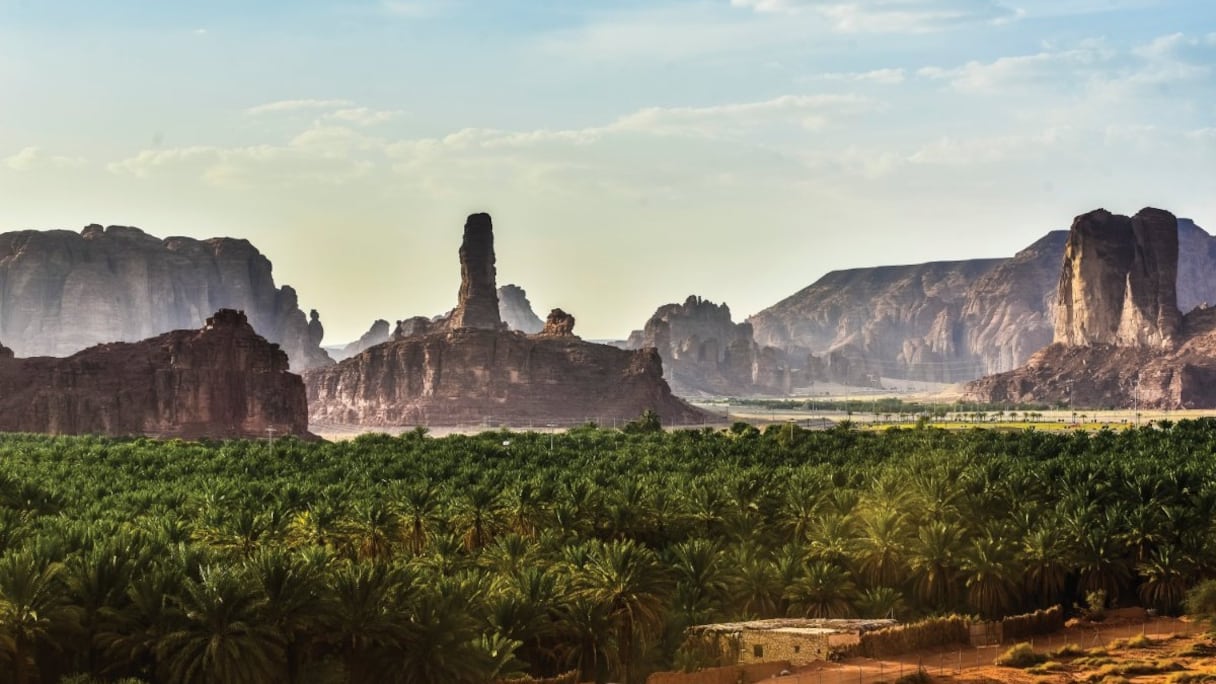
62	291
1120	340
223	381
954	321
470	369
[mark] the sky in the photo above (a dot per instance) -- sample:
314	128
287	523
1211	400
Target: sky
630	152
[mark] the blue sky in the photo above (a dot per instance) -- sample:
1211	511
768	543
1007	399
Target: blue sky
632	153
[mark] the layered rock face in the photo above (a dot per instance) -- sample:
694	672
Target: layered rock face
954	321
470	370
223	381
516	311
1120	341
904	320
62	291
1118	281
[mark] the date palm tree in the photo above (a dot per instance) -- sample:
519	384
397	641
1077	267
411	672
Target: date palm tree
630	583
223	637
34	610
823	590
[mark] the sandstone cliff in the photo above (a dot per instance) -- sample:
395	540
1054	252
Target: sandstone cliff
468	369
1120	340
62	291
1117	286
953	321
223	381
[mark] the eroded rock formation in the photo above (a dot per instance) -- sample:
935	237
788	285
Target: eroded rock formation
953	321
477	303
222	381
1120	341
62	291
1117	285
470	370
706	353
516	311
559	324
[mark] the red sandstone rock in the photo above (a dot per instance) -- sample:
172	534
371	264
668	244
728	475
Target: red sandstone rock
219	382
478	298
1120	342
471	370
559	324
1117	286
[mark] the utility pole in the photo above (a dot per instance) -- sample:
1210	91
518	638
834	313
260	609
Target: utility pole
270	439
1137	402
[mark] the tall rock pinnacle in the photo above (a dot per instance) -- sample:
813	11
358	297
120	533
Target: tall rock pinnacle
478	304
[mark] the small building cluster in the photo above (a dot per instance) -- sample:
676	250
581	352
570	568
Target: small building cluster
796	640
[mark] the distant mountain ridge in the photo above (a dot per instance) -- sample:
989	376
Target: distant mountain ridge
62	291
951	321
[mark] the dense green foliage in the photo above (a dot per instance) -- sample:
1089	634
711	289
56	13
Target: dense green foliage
466	559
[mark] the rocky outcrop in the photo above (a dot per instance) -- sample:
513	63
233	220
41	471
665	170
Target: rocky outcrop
62	291
378	333
516	311
1120	341
470	370
706	353
477	303
559	324
417	325
223	381
954	321
1117	286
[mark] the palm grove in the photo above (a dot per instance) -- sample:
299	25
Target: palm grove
476	558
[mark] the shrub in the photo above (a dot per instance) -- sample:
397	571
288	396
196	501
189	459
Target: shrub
1047	667
1095	605
918	677
1021	656
1200	602
1067	651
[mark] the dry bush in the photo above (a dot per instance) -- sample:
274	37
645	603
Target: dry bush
1020	655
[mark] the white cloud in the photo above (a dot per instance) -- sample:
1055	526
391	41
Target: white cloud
297	105
953	151
884	76
890	16
32	157
363	116
1021	71
809	111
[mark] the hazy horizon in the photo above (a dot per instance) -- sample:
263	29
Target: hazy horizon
630	153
